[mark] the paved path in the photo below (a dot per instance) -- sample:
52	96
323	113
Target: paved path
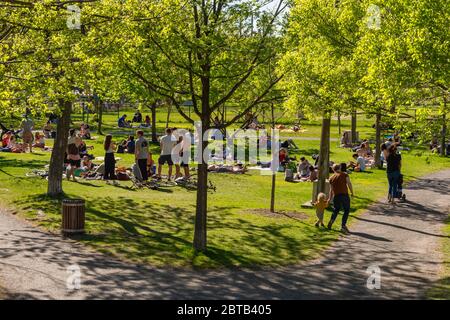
402	240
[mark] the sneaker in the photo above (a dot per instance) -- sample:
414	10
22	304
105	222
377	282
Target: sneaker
345	230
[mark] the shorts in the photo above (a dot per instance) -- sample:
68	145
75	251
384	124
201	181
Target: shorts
27	137
163	159
75	163
184	163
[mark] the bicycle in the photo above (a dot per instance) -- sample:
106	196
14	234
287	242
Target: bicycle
191	183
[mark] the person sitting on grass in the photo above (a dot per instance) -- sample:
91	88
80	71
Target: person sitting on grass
131	145
17	147
6	139
39	141
147	122
321	204
85	131
360	164
122	147
314	174
87	164
150	165
13	146
303	168
121	123
283	157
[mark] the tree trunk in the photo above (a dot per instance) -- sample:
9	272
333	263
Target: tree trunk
59	148
200	232
339	123
354	120
444	131
100	116
378	162
202	187
324	154
169	110
154	135
274	173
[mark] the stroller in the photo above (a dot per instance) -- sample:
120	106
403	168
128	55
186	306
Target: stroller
400	195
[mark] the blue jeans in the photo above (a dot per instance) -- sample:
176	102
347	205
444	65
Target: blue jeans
341	201
393	178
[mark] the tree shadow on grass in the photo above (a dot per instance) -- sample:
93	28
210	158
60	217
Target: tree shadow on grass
162	234
440	289
18	163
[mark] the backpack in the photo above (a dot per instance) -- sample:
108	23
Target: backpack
137	172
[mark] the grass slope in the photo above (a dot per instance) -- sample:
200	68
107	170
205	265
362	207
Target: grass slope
156	227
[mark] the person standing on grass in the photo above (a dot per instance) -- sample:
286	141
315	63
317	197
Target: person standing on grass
73	154
27	132
340	184
110	161
394	163
167	144
141	154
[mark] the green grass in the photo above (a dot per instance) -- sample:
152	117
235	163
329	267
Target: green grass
441	290
156	227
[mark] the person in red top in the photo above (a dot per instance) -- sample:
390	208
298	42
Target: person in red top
283	156
340	184
6	139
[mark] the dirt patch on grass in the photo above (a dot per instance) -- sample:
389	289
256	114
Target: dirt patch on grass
279	214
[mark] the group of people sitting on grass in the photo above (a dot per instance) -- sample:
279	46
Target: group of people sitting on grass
436	146
76	151
10	143
78	162
137	118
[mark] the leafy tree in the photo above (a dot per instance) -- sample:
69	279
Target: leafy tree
207	52
320	73
43	68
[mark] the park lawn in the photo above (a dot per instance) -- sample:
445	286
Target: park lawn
441	290
156	227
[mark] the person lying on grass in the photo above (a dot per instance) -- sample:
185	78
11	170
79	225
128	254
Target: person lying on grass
222	168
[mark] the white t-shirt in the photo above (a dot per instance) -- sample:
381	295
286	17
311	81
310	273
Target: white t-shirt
167	144
187	142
